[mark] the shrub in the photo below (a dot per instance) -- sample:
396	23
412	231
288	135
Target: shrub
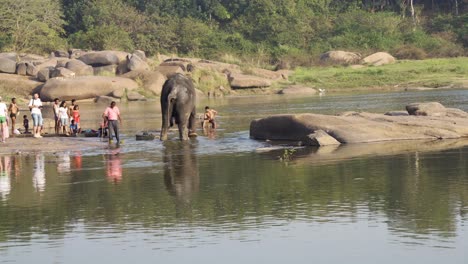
409	52
360	30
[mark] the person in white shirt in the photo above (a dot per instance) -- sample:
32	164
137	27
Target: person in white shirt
36	105
56	106
63	115
3	119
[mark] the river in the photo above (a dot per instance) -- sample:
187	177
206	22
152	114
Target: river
224	198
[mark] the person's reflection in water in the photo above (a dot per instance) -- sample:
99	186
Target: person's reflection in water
113	165
63	162
209	132
180	170
77	160
39	180
5	181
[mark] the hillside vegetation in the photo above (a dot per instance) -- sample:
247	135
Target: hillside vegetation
259	32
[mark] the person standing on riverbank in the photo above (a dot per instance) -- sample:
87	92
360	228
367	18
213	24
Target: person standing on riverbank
14	111
3	120
36	113
112	113
70	109
56	107
64	117
76	118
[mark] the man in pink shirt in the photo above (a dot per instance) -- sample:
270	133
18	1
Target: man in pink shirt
112	114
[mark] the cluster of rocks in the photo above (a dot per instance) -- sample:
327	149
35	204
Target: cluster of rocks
339	57
99	74
63	64
422	121
102	74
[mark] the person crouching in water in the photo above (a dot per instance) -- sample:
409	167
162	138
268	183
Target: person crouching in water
112	113
209	117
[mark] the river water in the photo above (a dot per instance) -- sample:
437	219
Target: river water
224	198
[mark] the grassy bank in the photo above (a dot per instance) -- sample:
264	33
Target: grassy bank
431	73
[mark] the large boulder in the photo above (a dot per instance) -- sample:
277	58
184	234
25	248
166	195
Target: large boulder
7	65
134	96
84	87
272	75
44	74
135	63
320	138
21	85
21	68
298	90
239	81
76	53
426	109
79	68
378	59
61	72
9	55
46	64
153	81
26	68
30	57
359	127
62	62
105	57
340	57
140	54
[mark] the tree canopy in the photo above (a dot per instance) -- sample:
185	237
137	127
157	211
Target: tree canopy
280	29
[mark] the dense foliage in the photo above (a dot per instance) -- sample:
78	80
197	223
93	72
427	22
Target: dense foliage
266	30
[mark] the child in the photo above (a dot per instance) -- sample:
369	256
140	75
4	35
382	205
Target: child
75	116
73	127
63	114
103	128
26	124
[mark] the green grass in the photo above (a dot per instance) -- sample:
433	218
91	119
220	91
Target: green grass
418	73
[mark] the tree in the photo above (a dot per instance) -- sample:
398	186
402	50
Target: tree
31	26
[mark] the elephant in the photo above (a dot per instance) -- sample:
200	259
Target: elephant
178	104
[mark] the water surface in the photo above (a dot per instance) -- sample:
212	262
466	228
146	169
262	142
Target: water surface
224	198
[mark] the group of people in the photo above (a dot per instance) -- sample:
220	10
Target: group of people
67	118
12	111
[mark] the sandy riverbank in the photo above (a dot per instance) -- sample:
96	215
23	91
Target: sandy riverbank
28	145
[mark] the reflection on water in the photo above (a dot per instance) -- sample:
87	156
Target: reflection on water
181	170
229	198
39	180
113	165
5	181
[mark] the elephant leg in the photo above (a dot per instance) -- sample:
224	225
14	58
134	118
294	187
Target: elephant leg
192	123
183	131
166	116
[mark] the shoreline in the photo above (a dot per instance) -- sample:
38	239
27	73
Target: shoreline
49	144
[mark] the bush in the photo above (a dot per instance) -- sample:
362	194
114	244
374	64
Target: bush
361	30
409	52
102	38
